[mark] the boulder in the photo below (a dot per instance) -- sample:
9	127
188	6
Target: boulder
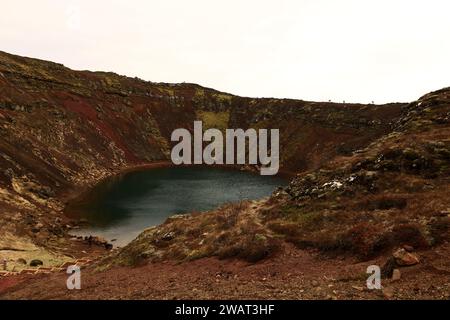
404	258
388	292
396	275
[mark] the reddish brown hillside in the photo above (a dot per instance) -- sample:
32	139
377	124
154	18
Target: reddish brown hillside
61	130
368	179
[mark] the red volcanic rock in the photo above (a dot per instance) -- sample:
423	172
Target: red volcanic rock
404	258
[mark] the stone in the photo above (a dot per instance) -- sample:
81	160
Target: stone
94	240
36	262
21	261
358	288
396	275
408	248
100	240
388	292
445	213
404	258
168	236
37	227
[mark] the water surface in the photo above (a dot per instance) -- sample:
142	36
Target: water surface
121	207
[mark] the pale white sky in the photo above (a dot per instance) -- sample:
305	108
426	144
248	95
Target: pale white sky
353	50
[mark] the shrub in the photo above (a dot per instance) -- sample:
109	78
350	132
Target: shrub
384	202
409	234
439	230
251	248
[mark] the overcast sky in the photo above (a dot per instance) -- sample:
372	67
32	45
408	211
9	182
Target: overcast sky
353	50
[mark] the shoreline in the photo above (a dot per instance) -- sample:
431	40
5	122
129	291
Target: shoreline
82	193
69	196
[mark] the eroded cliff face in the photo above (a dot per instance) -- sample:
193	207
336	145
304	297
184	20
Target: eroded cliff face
63	130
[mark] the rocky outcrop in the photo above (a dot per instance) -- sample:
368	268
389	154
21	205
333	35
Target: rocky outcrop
392	192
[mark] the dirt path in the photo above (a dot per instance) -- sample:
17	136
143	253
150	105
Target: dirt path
294	274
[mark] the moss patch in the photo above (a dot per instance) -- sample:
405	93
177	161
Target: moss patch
218	120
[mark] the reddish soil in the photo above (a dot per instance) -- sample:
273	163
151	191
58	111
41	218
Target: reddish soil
293	274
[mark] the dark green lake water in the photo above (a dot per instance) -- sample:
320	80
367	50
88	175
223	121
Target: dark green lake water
121	207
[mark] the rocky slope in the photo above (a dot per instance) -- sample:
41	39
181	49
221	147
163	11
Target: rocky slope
368	178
